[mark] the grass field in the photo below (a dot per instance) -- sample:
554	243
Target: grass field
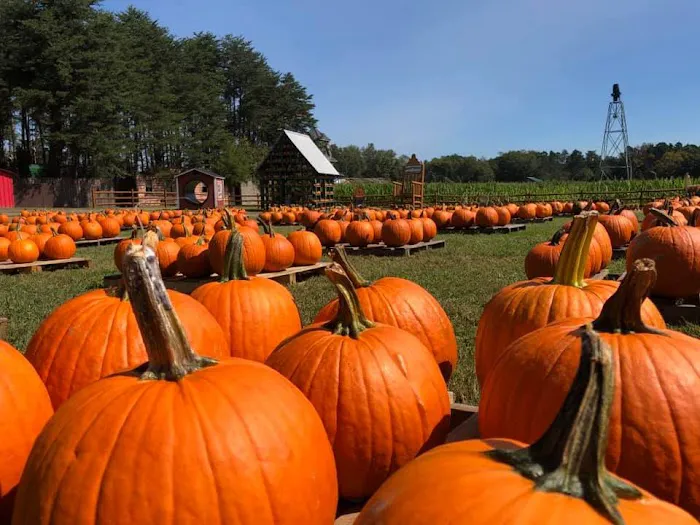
463	277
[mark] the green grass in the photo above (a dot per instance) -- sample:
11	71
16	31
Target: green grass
463	277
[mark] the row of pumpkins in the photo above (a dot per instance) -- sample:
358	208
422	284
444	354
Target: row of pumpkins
670	237
353	406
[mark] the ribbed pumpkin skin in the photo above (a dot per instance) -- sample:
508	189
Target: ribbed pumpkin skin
462	218
253	250
676	252
193	260
527	211
525	306
619	229
328	232
91	230
23	251
59	247
429	229
4	245
232	443
307	248
396	232
504	215
416	226
256	315
406	305
110	227
359	233
653	427
72	229
167	252
541	260
380	397
25	408
632	217
486	216
95	335
458	484
279	253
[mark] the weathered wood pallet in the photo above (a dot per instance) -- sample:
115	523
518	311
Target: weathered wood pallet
382	249
40	266
518	220
3	328
620	253
464	424
99	242
508	228
187	285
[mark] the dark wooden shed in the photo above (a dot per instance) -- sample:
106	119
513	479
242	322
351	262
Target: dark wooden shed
199	188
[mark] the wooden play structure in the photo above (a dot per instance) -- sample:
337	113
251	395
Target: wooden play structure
410	191
296	171
198	188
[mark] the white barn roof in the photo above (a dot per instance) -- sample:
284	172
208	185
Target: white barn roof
310	151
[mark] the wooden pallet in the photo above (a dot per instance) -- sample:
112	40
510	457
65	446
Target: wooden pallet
99	242
464	424
40	266
518	220
187	285
620	253
508	228
382	249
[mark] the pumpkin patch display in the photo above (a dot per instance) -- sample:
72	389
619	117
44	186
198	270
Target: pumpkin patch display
657	378
403	304
560	478
350	362
256	313
213	429
525	306
25	407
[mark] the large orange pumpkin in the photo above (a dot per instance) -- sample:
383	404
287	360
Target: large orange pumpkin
396	232
360	233
24	409
525	306
328	232
619	228
193	259
95	335
560	478
182	439
542	258
404	304
279	252
676	251
657	398
307	247
23	250
350	362
4	246
59	246
255	313
72	229
253	249
91	230
486	216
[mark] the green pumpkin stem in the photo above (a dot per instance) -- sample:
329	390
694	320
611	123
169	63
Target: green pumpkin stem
350	319
234	260
170	356
570	457
571	267
556	238
340	256
664	218
622	312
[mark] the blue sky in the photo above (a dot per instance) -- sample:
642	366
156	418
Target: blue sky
471	77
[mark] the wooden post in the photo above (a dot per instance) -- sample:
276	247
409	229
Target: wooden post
132	199
165	197
93	197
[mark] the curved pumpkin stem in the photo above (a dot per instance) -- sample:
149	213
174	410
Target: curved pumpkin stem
340	256
170	355
622	312
350	319
664	218
570	457
234	260
556	238
571	267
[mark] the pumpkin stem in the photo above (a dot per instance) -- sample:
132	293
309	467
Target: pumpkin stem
622	312
570	457
571	266
350	319
234	262
170	355
556	238
664	218
340	256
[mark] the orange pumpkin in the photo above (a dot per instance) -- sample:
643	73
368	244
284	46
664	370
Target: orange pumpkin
91	230
72	229
307	247
354	362
619	229
193	259
403	304
527	211
122	246
486	217
328	232
255	313
23	250
359	233
462	218
253	250
180	413
59	246
542	259
525	306
279	252
416	227
4	245
657	379
396	232
560	478
110	227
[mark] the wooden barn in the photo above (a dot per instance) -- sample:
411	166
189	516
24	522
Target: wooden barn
296	171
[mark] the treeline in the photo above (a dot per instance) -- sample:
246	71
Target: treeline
85	92
649	161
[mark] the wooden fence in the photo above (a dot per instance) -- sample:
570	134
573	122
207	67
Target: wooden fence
636	197
133	198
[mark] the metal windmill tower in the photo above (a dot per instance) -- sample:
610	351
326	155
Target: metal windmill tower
615	142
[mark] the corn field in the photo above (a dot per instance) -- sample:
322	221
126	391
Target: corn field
437	192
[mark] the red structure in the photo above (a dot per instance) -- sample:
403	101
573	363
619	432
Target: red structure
198	188
7	189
